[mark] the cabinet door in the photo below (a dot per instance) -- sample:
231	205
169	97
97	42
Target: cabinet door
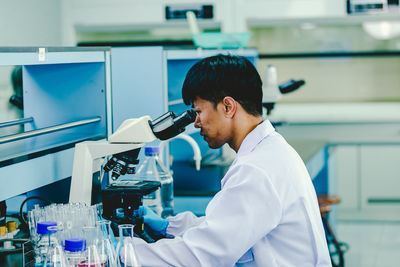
380	187
347	175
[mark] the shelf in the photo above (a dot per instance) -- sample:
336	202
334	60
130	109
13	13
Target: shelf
27	149
53	55
332	54
200	53
326	20
131	27
66	99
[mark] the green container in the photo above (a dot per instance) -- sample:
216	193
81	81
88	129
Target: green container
231	40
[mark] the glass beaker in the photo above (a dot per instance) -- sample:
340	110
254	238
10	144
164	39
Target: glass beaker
126	255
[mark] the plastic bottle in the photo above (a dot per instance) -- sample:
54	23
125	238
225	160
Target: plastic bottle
75	250
45	239
161	201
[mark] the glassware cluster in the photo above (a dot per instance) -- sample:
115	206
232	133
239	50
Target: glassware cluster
74	235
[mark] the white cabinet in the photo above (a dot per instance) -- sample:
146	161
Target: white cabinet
368	181
364	165
380	184
346	170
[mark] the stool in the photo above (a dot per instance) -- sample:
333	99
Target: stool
336	248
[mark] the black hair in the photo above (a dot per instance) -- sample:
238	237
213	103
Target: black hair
216	77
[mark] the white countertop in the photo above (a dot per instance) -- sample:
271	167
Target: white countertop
372	112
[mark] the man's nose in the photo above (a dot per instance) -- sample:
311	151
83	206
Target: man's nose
197	122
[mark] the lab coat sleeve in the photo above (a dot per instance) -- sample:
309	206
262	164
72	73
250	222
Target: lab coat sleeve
246	209
178	224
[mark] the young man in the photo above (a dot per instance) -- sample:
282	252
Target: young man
266	213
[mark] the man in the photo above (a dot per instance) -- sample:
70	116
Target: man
266	213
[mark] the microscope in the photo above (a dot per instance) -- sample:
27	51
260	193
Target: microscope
122	199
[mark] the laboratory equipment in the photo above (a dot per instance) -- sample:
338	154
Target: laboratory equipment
106	243
124	145
127	196
45	239
85	238
70	219
209	40
93	259
126	254
90	234
75	249
192	143
152	169
55	257
272	92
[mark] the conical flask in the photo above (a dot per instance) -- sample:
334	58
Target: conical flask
105	243
55	256
94	258
126	255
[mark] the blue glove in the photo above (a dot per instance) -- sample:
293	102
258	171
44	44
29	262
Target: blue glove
156	224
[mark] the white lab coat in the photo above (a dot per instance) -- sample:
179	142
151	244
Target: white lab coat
266	214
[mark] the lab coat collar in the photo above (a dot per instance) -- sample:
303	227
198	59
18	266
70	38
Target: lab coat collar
255	137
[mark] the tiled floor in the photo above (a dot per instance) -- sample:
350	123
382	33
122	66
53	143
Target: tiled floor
372	244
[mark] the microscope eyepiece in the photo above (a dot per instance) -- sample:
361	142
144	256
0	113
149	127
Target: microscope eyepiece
164	127
169	125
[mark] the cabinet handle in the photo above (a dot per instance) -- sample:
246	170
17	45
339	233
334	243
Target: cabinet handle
384	200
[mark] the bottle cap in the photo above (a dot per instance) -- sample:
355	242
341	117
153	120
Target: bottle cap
151	150
3	230
42	227
12	225
75	244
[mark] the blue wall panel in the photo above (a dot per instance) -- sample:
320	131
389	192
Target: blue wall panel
137	83
61	93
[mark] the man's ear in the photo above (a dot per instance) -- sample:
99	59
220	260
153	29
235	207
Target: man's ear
230	106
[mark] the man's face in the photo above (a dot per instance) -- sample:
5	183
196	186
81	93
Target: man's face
214	125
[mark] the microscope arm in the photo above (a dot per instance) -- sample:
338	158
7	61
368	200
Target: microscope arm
83	169
132	134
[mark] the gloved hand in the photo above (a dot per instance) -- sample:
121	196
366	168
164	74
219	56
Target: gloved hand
156	224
